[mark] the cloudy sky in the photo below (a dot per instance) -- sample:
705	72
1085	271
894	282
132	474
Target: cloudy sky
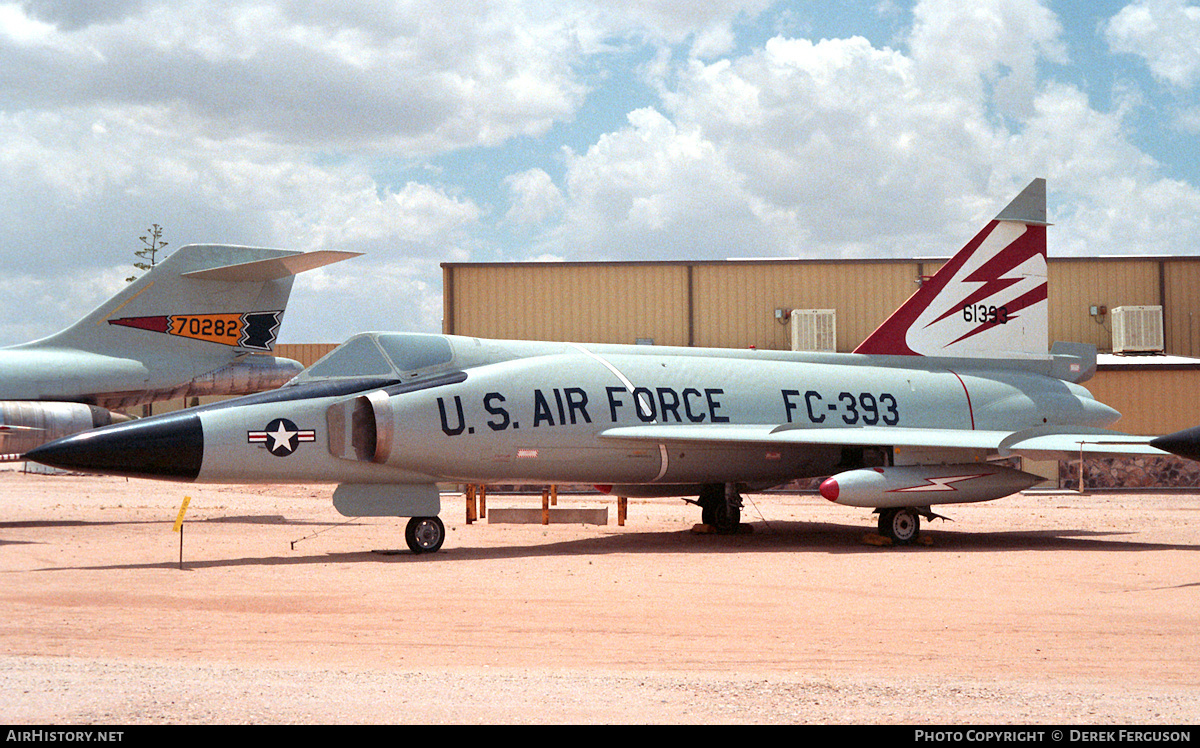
427	131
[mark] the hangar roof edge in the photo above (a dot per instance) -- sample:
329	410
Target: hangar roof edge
803	261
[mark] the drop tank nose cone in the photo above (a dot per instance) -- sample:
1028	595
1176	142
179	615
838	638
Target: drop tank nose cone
169	446
830	489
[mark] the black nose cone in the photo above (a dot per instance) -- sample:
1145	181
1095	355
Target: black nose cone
169	446
1184	443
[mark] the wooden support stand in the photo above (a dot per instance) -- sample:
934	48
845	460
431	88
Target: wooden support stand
476	497
476	506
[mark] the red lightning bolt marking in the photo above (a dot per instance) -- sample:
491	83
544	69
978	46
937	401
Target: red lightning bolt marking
940	484
991	274
889	338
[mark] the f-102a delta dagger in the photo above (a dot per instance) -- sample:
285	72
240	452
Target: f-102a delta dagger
958	377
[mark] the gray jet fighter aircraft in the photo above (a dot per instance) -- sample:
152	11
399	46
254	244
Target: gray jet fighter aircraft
914	418
201	322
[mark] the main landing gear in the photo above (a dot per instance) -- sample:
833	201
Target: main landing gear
901	525
425	534
721	507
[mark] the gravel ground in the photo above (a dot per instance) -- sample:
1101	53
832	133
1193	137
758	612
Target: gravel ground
1035	609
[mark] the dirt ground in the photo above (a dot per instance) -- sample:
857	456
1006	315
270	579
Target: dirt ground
1035	609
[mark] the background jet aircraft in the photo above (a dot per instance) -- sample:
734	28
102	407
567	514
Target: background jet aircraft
916	417
200	323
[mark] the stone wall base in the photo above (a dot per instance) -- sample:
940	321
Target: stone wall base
1130	472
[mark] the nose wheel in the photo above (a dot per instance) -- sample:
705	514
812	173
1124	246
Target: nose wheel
425	534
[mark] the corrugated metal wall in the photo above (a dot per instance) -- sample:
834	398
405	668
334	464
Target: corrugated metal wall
1077	285
590	303
732	304
306	353
1151	400
1181	287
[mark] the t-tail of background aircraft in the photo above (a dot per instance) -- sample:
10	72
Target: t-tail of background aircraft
924	413
201	322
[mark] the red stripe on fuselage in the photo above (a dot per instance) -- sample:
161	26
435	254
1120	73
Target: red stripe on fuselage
970	408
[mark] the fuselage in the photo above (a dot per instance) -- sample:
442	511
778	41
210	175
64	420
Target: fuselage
509	411
65	375
111	381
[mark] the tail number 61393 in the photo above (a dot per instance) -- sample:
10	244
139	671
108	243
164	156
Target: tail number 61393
984	314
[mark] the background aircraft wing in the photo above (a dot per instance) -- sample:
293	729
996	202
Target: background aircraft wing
1040	443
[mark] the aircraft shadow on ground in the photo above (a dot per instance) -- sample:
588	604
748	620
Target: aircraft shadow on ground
41	524
773	537
263	519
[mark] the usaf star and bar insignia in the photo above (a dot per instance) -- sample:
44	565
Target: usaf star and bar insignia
253	330
281	437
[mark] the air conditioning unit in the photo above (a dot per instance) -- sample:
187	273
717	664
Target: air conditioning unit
1137	329
814	329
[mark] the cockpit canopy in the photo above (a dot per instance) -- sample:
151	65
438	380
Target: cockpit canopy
382	354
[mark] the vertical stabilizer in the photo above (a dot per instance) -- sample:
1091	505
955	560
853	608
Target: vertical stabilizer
202	302
988	301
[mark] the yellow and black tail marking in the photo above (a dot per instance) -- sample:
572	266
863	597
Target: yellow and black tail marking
253	330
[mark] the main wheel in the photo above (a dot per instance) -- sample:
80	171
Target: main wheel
720	507
425	534
900	525
711	501
729	513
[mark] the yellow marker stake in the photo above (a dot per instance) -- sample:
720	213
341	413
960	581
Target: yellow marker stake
182	509
179	527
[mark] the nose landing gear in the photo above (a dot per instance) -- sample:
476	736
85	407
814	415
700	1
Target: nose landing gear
425	534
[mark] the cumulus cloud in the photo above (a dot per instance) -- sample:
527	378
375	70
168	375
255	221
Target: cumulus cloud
1162	32
418	76
965	48
263	123
344	299
798	148
840	147
75	198
534	198
420	132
